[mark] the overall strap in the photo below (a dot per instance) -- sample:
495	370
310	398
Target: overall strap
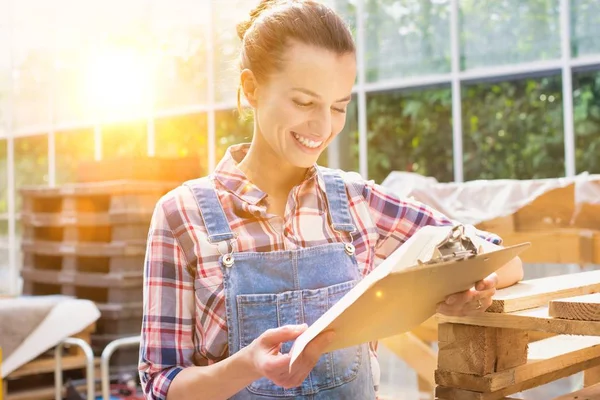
211	210
339	206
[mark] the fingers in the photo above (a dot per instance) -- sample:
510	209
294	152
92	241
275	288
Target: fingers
491	281
309	357
467	302
318	345
276	336
477	306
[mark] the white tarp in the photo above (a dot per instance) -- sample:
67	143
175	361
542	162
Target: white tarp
29	326
483	200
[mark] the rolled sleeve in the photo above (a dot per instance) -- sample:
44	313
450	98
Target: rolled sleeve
397	219
166	346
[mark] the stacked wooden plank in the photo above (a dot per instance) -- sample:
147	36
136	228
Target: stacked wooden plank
492	355
559	229
88	240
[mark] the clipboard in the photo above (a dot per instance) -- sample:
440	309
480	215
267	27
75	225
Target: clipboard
392	300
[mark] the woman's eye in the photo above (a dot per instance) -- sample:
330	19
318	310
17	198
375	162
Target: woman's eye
300	104
340	110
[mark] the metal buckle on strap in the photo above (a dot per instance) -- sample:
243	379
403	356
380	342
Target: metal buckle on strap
457	246
348	246
227	255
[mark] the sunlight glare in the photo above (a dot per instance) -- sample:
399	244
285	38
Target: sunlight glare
118	82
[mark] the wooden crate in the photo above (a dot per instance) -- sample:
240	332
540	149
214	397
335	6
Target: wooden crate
491	355
77	263
83	200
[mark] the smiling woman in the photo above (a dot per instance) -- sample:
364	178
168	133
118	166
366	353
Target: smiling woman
239	262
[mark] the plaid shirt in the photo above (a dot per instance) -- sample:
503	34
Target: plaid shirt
184	310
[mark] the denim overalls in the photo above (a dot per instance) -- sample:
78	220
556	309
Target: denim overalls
269	289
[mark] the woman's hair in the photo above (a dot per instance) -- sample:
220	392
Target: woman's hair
274	23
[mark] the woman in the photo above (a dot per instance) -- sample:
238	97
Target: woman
239	262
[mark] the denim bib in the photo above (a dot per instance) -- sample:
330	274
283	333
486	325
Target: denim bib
266	290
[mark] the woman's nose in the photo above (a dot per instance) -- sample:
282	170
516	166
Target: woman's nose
320	123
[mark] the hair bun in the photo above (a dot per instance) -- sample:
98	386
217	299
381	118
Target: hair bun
243	26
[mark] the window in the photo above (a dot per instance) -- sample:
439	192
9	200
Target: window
180	43
508	32
585	27
3	177
406	38
31	163
72	148
514	129
230	130
226	15
127	139
183	136
586	115
410	131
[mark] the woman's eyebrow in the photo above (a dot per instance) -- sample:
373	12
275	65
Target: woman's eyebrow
313	94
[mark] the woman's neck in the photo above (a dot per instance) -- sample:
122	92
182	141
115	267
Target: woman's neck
263	167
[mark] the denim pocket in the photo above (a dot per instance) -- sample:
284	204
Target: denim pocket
259	312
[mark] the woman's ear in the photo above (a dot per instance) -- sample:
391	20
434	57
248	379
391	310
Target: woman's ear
249	87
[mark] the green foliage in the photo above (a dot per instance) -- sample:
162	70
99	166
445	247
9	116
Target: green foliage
586	114
513	129
410	131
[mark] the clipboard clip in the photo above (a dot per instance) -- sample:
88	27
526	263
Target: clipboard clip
457	246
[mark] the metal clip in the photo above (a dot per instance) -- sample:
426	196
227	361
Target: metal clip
455	247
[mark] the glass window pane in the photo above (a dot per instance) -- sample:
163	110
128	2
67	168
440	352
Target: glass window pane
31	163
73	32
406	38
230	130
3	231
180	43
72	148
32	43
226	15
117	72
183	136
343	151
585	27
508	32
5	275
5	72
126	139
513	130
586	113
410	131
3	177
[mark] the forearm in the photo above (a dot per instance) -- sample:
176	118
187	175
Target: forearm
510	274
214	382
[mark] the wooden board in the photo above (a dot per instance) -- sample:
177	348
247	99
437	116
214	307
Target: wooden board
588	393
538	292
536	319
550	210
448	393
585	308
561	246
44	365
545	357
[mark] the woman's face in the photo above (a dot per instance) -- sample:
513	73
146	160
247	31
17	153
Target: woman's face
301	108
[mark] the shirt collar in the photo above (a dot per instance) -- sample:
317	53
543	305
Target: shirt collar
236	182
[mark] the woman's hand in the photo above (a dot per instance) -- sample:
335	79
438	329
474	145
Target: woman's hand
470	302
273	365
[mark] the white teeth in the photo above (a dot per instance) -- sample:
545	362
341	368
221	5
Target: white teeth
307	142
